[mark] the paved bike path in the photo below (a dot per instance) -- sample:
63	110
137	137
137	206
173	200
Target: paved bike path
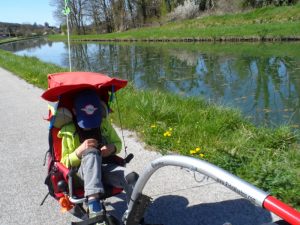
179	198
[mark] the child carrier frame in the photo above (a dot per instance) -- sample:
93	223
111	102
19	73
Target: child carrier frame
60	180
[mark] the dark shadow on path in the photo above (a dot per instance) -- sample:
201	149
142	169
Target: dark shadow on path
174	210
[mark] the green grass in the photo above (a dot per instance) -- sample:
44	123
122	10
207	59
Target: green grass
29	68
267	158
269	22
6	40
14	39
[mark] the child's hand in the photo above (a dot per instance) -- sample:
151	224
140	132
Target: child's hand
107	150
88	143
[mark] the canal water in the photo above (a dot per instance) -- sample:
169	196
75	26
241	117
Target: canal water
260	79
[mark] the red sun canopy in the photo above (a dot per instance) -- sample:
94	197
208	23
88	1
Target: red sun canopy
61	83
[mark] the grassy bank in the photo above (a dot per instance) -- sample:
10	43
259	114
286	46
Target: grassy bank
14	39
269	23
268	158
28	68
7	40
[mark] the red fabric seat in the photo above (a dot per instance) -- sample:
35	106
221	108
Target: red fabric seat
61	172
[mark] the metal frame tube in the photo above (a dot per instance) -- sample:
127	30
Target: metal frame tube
77	200
223	177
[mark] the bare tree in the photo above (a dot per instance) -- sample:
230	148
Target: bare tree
119	14
58	15
77	16
94	13
132	8
206	4
107	12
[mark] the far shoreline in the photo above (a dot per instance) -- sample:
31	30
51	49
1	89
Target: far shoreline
220	39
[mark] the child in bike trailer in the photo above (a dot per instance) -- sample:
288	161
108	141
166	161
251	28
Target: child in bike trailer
86	143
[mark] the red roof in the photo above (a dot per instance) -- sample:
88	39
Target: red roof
61	83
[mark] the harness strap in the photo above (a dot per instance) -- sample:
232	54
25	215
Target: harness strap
50	150
121	124
44	199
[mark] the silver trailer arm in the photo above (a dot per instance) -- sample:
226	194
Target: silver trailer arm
248	191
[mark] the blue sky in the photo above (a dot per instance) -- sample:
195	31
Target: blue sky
27	11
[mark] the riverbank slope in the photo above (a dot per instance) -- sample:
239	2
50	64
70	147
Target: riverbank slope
264	24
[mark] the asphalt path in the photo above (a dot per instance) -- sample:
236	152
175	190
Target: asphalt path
179	197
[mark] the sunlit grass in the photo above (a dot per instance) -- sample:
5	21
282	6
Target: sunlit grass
268	158
6	40
246	31
30	69
13	39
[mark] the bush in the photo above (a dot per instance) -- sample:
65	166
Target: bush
188	10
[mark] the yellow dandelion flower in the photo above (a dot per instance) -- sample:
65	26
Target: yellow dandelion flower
192	152
201	155
153	126
167	134
197	149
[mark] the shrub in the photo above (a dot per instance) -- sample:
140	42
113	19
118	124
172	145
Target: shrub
188	10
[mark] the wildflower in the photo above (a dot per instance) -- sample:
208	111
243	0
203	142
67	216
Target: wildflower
167	134
201	155
170	129
153	126
192	152
195	151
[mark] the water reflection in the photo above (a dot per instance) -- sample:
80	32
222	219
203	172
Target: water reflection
265	86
